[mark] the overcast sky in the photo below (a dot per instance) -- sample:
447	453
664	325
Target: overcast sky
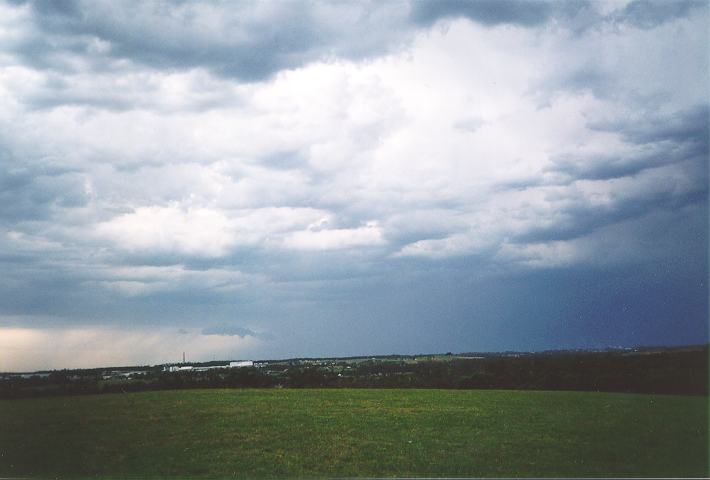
265	180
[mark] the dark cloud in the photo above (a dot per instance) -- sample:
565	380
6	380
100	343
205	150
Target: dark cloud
488	12
665	139
27	195
578	16
252	42
624	303
245	41
581	17
607	167
667	165
688	126
578	217
649	13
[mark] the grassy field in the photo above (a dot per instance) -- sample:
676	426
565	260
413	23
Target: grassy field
343	433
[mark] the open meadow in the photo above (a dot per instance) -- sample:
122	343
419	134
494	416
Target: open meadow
346	432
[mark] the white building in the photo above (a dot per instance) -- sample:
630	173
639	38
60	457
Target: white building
241	363
176	368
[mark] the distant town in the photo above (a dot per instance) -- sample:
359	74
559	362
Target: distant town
679	370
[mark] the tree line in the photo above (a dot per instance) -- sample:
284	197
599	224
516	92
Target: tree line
680	371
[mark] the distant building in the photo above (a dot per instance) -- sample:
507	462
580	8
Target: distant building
177	368
241	363
204	368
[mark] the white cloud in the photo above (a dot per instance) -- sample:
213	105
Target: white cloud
453	245
370	141
541	255
198	231
329	239
203	232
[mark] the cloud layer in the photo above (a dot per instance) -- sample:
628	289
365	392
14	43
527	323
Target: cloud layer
312	171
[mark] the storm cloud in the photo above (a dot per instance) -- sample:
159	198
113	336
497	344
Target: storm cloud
302	179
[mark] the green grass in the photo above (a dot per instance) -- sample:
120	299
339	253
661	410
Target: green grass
343	433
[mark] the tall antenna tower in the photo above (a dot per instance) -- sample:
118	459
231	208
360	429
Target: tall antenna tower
183	357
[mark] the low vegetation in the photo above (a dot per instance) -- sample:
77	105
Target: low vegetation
247	433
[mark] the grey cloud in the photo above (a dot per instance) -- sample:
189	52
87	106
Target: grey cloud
234	330
115	98
28	195
251	42
689	126
606	167
669	171
676	144
577	217
649	13
58	7
408	227
286	160
469	124
35	186
578	15
665	138
246	41
489	12
57	90
588	78
583	16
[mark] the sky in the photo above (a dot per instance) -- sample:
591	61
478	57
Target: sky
242	180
